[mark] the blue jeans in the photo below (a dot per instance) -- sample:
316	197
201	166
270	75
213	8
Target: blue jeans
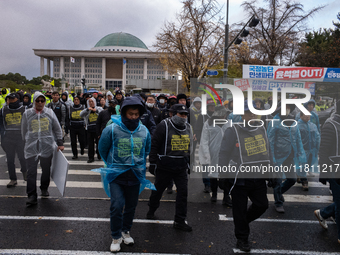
281	188
125	198
333	209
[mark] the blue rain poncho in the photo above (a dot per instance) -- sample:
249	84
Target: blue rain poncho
123	150
235	118
314	118
311	142
282	140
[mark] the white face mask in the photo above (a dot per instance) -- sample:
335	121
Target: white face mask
162	101
149	105
288	111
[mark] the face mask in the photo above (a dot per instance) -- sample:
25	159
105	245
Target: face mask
172	102
130	124
178	120
149	105
210	113
288	111
14	105
162	101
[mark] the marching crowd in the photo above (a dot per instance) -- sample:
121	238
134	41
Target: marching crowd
123	130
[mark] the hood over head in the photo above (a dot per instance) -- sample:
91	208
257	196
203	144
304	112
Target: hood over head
64	93
109	94
36	95
134	100
94	100
310	101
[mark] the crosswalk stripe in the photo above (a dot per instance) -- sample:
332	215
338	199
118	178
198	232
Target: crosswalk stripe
286	252
223	217
62	252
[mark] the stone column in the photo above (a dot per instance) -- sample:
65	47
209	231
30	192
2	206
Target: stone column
145	70
41	66
104	73
82	67
49	67
124	74
166	75
62	67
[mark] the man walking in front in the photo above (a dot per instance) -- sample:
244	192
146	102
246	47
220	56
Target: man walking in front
39	129
169	160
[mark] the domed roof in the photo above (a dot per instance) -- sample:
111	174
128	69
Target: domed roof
121	39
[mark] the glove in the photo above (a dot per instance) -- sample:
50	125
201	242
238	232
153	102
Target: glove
152	169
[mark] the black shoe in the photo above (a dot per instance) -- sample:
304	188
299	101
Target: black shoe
206	189
99	157
32	200
150	215
74	157
243	245
82	152
213	198
182	226
90	160
44	193
227	201
12	183
24	174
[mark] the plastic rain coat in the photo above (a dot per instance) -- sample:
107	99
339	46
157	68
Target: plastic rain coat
40	130
123	150
310	137
282	140
210	145
314	118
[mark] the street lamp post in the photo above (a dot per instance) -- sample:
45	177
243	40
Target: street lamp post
226	42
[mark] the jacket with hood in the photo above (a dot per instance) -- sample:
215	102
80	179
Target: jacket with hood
29	104
85	114
107	100
123	150
314	118
3	97
285	142
60	109
68	100
40	130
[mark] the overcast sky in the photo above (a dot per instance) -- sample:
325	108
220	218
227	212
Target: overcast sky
80	24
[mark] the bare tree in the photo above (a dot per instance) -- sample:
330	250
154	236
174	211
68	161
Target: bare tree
193	43
282	26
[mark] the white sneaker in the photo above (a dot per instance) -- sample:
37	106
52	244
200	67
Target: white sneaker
322	221
128	240
115	245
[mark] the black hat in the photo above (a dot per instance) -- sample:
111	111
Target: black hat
13	95
162	95
180	108
113	101
180	96
119	92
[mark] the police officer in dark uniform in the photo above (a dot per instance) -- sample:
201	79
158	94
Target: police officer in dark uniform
169	160
77	127
246	146
59	108
10	121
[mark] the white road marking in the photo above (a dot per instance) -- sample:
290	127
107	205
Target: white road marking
223	217
89	219
265	251
60	252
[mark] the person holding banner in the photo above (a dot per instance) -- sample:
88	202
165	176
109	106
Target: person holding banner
124	146
39	129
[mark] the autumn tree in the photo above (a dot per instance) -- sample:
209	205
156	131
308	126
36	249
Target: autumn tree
321	48
282	23
194	42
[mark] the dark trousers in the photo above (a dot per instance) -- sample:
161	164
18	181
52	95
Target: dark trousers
80	132
32	165
161	183
256	190
92	143
14	144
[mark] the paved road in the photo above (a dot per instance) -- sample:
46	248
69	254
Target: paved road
78	223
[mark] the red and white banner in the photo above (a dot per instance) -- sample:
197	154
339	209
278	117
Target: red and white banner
291	73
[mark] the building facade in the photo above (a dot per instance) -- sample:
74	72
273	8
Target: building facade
117	60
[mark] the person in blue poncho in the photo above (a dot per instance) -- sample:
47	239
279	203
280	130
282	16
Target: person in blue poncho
124	146
314	118
310	137
287	151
